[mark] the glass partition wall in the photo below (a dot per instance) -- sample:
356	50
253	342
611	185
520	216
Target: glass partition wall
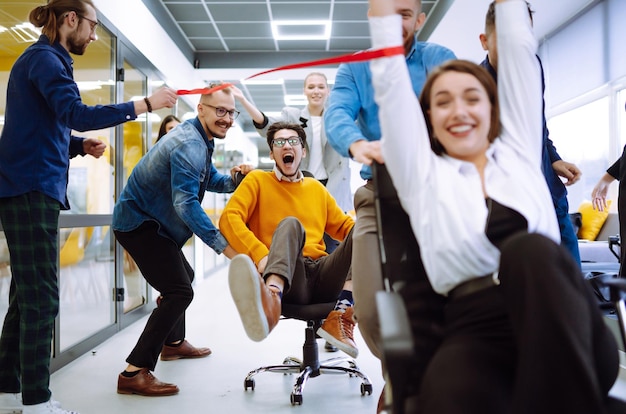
100	287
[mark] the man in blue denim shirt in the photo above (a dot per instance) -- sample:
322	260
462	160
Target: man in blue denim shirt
157	212
43	106
352	99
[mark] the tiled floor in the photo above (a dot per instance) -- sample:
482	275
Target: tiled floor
215	384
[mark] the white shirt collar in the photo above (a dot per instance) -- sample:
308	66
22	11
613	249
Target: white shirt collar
281	177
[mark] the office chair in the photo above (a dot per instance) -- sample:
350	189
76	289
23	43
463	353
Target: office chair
410	312
310	366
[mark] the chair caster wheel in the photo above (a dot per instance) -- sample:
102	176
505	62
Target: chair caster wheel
296	399
249	383
366	389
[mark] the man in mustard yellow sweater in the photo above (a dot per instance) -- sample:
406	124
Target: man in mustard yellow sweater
276	220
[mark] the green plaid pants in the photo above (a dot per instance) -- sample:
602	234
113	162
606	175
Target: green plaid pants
30	224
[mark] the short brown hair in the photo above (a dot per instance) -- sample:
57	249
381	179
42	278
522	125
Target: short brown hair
50	16
205	97
277	126
481	74
490	18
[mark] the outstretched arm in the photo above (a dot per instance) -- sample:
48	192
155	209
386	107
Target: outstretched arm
600	191
256	115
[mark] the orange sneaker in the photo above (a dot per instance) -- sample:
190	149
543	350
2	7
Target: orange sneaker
338	329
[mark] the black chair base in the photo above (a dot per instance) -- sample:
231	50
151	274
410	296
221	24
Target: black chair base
310	367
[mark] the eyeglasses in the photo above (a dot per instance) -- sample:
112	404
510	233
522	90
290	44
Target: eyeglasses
221	112
280	142
92	23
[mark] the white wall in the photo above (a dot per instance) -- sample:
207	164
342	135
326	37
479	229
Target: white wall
139	26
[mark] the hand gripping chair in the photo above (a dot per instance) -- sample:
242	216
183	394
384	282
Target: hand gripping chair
410	311
310	366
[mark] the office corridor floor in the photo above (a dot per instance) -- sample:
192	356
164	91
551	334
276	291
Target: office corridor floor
215	384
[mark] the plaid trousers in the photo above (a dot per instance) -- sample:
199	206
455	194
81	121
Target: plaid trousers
30	223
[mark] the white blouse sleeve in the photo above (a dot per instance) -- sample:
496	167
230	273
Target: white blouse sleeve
405	142
519	81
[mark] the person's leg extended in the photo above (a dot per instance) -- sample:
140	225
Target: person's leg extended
258	298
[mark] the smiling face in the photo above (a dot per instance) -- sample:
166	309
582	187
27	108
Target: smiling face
213	125
316	90
289	156
460	114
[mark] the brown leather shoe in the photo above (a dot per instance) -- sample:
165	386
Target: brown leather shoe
146	384
258	306
338	329
184	350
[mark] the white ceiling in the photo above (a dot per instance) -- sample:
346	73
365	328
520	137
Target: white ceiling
231	40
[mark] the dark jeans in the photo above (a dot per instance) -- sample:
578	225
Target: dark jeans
569	239
535	344
166	269
30	224
307	280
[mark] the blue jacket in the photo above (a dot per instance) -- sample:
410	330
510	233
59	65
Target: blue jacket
43	105
352	98
168	184
549	154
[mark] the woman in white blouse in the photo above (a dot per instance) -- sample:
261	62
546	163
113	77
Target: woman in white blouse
523	333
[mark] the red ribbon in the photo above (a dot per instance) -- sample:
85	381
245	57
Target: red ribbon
349	58
203	91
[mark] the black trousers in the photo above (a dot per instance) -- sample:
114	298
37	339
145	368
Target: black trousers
166	269
535	344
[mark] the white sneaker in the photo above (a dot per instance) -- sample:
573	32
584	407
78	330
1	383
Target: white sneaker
46	408
11	403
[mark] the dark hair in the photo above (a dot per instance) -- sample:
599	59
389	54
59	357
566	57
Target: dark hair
481	74
277	126
50	16
490	18
169	118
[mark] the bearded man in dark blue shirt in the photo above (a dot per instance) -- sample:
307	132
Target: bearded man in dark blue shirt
43	106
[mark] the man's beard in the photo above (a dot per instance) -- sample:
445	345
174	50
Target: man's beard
215	135
75	46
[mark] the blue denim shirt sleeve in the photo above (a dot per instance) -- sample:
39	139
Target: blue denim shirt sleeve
188	170
352	113
344	108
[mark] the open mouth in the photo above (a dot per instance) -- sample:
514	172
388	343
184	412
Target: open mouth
288	159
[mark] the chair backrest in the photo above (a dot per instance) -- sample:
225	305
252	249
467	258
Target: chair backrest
404	274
